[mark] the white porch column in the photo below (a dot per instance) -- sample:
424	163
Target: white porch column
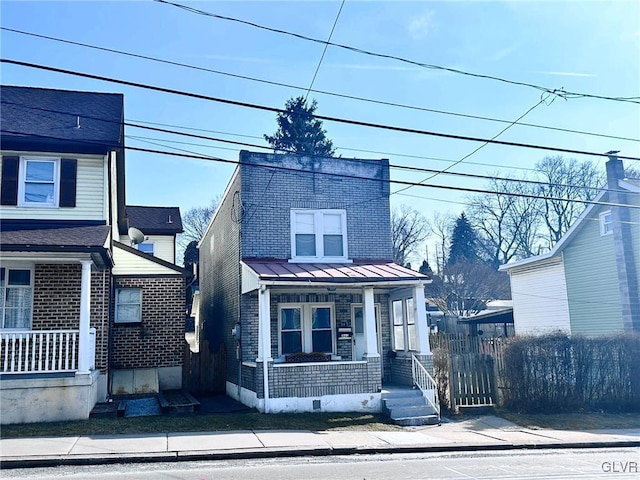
420	315
84	342
369	314
264	339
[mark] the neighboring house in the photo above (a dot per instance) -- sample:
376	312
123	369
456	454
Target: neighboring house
78	302
296	276
160	226
588	283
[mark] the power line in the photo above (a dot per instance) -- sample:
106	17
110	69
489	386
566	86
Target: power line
434	172
321	92
189	154
559	92
320	117
326	45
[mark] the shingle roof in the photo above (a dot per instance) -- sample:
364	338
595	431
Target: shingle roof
155	220
49	118
282	270
82	237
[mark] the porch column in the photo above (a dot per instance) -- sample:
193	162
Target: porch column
264	339
369	314
84	342
420	316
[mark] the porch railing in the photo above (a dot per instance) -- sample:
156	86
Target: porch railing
425	383
42	351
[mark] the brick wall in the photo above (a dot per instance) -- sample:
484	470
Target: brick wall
269	194
401	368
56	302
157	341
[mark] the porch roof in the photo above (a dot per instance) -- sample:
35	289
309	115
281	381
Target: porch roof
357	272
57	240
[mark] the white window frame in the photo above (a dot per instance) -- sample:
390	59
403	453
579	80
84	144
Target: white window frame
153	248
606	227
319	236
22	201
116	318
408	340
306	324
7	268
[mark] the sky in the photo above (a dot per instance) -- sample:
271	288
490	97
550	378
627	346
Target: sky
581	46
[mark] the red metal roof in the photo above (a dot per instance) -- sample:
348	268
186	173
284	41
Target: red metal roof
282	270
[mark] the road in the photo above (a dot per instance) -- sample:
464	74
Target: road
514	464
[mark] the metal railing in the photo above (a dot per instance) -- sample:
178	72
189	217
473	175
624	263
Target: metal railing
425	383
39	351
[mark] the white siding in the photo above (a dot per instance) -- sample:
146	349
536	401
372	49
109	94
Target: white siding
131	264
539	294
163	245
90	195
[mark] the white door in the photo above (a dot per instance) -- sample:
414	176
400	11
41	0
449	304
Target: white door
357	319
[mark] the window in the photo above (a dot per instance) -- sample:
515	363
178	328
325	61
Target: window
145	247
405	333
38	182
606	223
16	296
306	328
319	235
128	305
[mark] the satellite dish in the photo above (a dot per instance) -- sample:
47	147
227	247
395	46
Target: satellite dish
135	235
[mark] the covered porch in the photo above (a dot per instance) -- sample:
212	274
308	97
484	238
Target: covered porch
329	335
49	367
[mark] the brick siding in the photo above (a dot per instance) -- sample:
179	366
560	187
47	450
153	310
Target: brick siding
157	341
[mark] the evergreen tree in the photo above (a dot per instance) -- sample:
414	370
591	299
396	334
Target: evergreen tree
464	242
425	268
299	131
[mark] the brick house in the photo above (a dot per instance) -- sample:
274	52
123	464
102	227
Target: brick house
298	285
78	301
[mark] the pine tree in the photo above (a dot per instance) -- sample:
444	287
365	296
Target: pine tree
464	242
299	131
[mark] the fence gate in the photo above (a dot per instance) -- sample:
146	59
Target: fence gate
204	372
471	380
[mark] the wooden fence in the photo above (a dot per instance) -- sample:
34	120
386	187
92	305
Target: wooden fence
470	369
204	371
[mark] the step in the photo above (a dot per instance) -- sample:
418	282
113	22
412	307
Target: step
417	421
417	411
404	393
403	401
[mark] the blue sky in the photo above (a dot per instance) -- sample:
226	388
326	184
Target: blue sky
590	47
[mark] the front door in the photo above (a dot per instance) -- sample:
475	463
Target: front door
357	319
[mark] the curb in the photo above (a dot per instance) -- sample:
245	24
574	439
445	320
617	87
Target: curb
176	456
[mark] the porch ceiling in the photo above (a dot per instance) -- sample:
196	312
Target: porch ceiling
282	271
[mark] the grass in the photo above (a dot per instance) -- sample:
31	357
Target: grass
203	422
573	421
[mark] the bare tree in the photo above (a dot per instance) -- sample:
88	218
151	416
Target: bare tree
506	222
194	222
408	229
441	225
565	180
467	287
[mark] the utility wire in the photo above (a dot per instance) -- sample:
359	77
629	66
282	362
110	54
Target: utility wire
198	156
434	172
321	92
554	91
479	147
326	45
320	117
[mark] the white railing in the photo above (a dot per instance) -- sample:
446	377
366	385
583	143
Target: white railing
425	383
40	351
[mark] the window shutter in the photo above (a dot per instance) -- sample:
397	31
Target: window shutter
9	191
68	174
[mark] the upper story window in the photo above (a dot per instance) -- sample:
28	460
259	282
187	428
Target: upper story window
319	235
33	181
606	223
16	297
146	247
39	182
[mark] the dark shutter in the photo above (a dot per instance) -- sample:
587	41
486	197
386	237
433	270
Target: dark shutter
9	190
68	174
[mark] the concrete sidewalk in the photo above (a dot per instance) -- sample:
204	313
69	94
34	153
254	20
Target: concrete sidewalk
482	433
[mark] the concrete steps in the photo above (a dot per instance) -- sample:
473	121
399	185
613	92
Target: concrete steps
407	407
